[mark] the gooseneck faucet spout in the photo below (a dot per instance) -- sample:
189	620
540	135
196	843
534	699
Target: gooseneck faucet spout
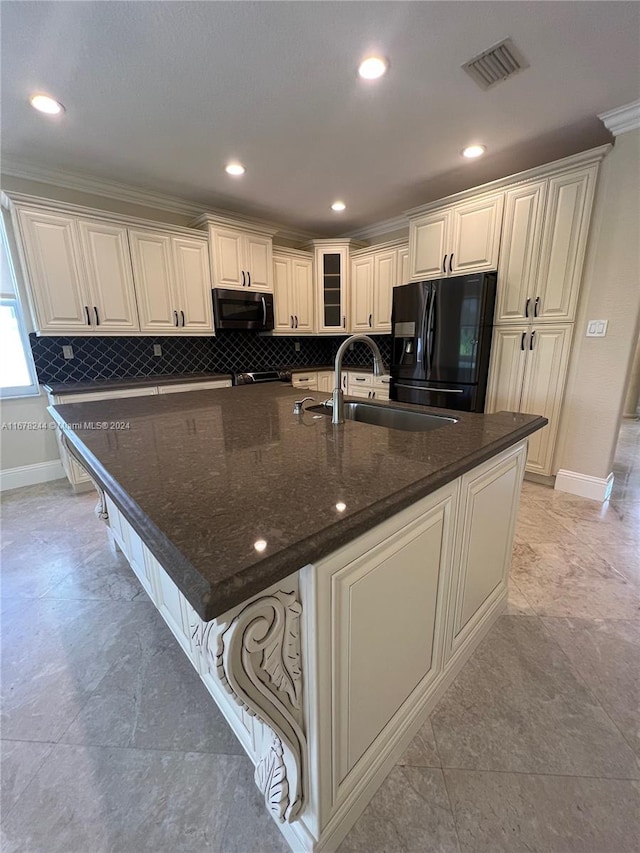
378	370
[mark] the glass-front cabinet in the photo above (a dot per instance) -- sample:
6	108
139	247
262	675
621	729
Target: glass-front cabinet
332	285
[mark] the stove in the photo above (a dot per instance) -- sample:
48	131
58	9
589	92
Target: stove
251	377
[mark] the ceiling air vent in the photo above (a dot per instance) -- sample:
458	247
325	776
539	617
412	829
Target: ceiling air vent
499	62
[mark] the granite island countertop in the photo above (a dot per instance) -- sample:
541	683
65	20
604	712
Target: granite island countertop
207	478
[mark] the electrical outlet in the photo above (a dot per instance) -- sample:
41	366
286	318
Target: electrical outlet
597	328
296	346
157	350
67	352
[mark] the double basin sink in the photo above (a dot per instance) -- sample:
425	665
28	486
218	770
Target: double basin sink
388	416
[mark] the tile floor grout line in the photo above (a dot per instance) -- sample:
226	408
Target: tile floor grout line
634	779
24	790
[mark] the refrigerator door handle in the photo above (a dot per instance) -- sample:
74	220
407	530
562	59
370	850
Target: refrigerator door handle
430	388
426	357
430	330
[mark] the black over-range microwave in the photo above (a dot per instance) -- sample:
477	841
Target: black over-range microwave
242	309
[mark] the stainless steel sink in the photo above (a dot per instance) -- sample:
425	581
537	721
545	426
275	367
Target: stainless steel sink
388	416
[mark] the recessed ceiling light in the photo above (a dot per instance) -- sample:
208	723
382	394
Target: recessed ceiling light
234	169
372	67
338	206
260	545
45	104
472	151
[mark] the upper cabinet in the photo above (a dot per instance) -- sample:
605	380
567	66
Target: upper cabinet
543	244
332	285
292	292
93	276
456	239
240	257
374	274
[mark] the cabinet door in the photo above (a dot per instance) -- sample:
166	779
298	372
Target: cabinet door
283	309
428	238
543	388
227	257
55	275
506	372
476	228
402	273
193	284
362	294
109	276
564	239
519	252
154	279
331	272
487	516
384	280
258	262
325	382
302	285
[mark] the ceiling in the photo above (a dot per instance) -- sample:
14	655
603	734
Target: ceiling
161	95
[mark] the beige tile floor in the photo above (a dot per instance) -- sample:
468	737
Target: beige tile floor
110	742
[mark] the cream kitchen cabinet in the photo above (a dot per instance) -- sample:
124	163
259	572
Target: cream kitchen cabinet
374	274
367	386
79	272
332	282
293	292
461	238
543	242
172	283
528	370
241	258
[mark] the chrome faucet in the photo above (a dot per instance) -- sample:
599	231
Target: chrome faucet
378	370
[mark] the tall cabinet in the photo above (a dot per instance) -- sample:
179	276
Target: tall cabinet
332	268
374	274
544	237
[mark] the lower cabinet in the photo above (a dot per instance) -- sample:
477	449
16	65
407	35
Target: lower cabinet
397	612
527	374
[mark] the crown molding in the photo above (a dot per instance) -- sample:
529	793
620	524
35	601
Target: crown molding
566	164
81	182
622	119
385	227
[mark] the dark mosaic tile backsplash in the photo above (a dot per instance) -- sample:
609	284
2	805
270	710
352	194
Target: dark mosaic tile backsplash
123	357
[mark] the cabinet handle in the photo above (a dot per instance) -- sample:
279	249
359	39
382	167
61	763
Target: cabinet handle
524	335
373	395
249	277
531	339
296	321
95	310
86	311
444	265
451	262
536	306
175	318
344	322
359	379
292	326
526	307
344	381
243	279
182	315
370	316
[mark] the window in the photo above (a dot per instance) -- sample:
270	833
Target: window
17	370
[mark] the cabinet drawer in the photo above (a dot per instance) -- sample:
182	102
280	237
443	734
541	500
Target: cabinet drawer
305	380
359	379
381	381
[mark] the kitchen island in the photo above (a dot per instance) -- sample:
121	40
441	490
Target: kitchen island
327	582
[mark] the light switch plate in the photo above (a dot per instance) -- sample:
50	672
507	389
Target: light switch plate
67	352
296	346
157	350
597	328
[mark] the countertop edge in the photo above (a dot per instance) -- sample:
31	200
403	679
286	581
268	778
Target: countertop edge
92	385
239	588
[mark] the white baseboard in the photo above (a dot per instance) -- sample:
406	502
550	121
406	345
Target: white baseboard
594	488
29	475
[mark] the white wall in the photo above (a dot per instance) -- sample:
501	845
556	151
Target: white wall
600	367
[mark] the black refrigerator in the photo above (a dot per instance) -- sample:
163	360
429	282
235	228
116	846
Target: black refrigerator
442	341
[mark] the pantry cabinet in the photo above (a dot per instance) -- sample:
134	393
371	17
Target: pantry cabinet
457	239
543	243
293	292
528	370
374	274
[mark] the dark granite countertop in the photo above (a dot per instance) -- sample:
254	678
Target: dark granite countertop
205	476
87	385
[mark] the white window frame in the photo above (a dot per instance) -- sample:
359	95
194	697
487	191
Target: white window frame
13	300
